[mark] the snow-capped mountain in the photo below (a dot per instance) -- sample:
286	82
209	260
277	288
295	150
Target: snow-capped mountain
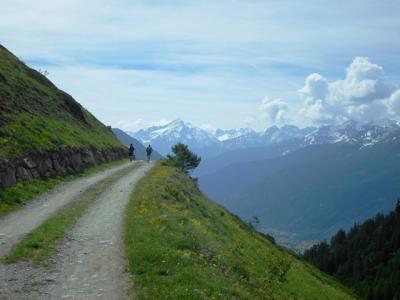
165	136
214	142
365	135
224	135
273	135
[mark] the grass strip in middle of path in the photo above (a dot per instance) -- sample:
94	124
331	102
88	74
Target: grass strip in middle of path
40	244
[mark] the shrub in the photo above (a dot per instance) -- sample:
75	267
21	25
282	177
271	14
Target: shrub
182	158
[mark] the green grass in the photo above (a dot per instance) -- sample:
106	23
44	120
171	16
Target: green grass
40	244
19	194
30	132
36	116
180	245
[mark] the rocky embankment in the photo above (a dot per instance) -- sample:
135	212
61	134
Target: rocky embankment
49	164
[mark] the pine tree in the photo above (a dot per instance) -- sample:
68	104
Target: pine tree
183	158
366	258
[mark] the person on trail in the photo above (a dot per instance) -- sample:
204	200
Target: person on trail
149	150
131	152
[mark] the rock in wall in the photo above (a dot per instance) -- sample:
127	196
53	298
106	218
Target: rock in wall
49	164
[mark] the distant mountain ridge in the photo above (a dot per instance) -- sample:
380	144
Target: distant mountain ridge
164	136
314	190
214	142
140	149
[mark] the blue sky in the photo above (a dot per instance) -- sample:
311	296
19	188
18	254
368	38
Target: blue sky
213	63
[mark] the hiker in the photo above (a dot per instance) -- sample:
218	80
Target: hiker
131	152
149	150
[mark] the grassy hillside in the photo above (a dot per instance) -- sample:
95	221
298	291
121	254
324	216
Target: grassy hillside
36	116
180	245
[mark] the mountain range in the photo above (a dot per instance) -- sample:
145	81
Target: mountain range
211	143
174	241
303	183
165	136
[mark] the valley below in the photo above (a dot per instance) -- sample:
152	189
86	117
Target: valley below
303	183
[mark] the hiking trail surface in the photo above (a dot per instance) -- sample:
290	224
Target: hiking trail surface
90	262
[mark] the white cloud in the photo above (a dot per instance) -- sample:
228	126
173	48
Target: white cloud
316	112
250	119
204	60
376	110
363	96
316	87
135	125
364	83
208	127
274	111
394	103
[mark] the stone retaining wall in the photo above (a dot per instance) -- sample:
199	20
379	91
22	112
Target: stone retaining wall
54	163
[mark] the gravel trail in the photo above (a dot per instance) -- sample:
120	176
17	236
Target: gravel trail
90	262
92	265
16	225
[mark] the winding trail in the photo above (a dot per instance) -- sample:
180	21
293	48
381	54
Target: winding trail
90	263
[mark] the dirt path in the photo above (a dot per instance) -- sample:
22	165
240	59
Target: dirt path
90	263
16	225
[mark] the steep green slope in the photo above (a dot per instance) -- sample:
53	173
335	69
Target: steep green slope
180	245
36	116
366	258
44	132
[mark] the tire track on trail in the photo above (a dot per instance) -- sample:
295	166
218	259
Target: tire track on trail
16	225
90	262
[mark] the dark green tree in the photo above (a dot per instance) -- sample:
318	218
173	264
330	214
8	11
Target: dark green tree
183	158
366	258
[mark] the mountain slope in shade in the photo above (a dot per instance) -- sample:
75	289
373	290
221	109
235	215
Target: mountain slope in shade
313	191
140	149
241	155
365	258
286	139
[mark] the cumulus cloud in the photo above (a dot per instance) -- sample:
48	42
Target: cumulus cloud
274	110
135	125
316	87
363	95
394	103
364	83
